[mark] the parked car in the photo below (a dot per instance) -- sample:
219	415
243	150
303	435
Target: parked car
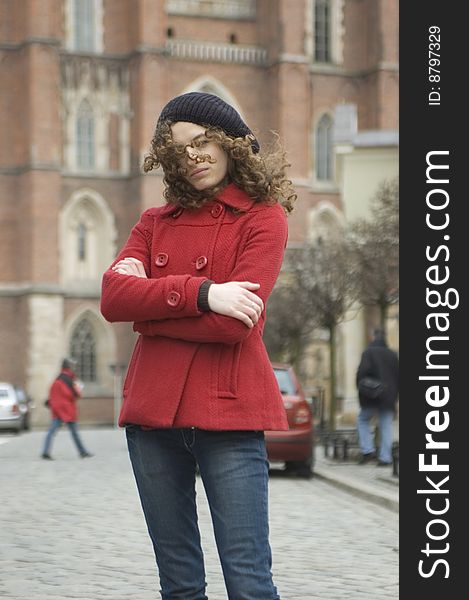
26	406
294	447
15	407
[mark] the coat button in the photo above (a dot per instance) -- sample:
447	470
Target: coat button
177	213
161	259
173	299
216	210
201	262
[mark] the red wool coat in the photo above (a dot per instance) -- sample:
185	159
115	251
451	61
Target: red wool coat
191	368
62	401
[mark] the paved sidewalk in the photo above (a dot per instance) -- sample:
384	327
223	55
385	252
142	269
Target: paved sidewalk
376	484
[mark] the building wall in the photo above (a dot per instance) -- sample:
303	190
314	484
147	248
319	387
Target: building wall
363	169
144	55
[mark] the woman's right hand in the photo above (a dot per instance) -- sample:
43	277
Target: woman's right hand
236	299
130	266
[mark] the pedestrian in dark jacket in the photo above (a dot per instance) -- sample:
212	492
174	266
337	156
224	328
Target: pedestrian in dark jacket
381	363
194	277
62	402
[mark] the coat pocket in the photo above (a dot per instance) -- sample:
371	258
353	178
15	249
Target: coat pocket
228	370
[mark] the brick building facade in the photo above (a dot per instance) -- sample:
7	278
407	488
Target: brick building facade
82	82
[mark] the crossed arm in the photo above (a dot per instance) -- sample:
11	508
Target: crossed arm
233	299
235	306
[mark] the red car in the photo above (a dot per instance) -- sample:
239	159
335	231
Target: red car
294	447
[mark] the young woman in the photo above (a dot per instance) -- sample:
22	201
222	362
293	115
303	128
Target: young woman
194	277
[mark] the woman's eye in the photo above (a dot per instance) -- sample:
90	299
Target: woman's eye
178	148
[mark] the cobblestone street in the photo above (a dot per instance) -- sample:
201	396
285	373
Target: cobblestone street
73	528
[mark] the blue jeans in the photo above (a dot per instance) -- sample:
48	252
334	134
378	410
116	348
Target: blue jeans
234	469
367	443
54	427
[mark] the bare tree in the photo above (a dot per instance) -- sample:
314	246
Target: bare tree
375	245
325	278
281	333
290	319
319	287
329	275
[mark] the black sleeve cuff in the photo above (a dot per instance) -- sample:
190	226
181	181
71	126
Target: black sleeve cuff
202	298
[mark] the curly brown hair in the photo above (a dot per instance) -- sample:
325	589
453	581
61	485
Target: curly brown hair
262	176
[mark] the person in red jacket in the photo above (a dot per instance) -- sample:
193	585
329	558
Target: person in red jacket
62	402
194	277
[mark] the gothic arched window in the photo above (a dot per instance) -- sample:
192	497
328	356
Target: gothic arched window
84	25
322	31
87	240
323	149
85	136
83	350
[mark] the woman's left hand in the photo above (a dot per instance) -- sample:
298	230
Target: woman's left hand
130	266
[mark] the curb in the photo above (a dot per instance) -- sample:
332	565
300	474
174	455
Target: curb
361	491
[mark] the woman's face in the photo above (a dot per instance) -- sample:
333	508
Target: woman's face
203	172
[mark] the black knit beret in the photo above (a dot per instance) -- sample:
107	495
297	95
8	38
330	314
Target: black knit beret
207	109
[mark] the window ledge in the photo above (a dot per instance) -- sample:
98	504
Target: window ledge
95	174
85	288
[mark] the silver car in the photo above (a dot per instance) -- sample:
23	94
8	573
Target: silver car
26	406
11	414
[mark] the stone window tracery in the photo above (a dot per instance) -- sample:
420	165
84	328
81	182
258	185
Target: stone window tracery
87	240
96	115
83	350
85	136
